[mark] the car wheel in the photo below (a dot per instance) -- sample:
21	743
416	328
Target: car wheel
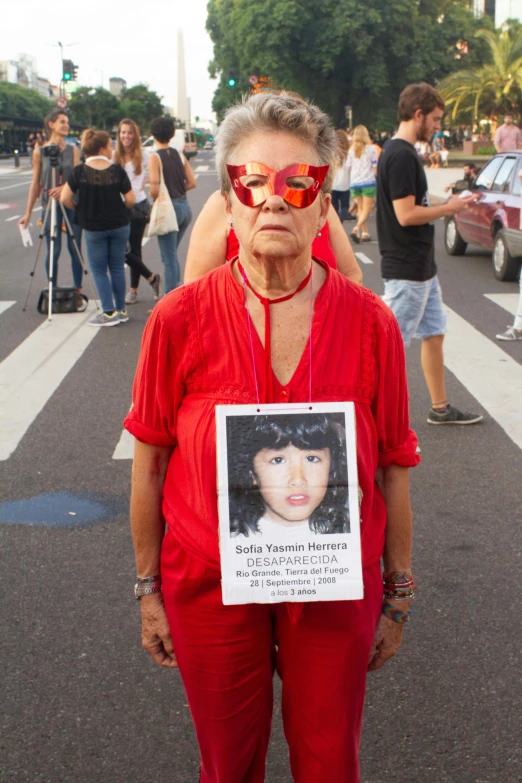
505	266
455	245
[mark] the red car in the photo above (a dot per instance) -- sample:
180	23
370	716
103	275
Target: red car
494	221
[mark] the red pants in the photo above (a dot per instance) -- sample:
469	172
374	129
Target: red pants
227	656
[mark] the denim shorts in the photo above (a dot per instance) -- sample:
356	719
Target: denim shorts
417	306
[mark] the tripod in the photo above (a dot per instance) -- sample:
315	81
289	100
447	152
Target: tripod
52	207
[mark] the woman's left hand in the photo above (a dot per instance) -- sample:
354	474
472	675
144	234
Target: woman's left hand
386	642
55	192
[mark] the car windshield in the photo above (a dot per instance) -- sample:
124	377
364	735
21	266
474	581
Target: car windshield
503	178
485	179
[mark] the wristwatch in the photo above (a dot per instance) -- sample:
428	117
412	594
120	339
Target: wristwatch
147	585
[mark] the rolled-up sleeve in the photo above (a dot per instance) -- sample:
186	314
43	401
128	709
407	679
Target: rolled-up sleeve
397	443
158	384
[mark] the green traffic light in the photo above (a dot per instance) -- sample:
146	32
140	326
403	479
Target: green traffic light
67	77
232	82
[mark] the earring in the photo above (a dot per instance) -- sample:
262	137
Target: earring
231	224
318	234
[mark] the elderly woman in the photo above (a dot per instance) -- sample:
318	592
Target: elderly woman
275	325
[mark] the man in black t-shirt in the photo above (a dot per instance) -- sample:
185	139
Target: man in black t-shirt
406	240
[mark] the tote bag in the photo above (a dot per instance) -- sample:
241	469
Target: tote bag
163	216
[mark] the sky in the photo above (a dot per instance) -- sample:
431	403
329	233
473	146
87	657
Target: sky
134	40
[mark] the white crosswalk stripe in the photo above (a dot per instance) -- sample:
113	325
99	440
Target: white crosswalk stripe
508	302
363	258
475	361
125	447
32	373
5	306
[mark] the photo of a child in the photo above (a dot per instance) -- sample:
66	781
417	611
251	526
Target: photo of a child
287	471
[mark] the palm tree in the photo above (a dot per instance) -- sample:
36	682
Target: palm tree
495	86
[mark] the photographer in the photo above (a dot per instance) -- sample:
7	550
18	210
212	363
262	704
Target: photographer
68	157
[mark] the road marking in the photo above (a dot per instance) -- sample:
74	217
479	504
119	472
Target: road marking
363	258
5	306
475	361
145	240
8	187
202	168
30	375
6	206
37	209
8	220
125	447
508	302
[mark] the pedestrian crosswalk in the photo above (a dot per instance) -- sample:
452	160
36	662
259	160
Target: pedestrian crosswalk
35	369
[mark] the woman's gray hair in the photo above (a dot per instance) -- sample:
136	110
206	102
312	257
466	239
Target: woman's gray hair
276	111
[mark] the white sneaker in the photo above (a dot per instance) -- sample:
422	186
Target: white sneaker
132	297
511	334
103	319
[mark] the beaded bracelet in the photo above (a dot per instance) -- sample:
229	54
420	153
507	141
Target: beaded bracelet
398	578
397	615
400	592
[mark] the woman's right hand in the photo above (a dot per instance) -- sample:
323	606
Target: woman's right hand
24	221
155	632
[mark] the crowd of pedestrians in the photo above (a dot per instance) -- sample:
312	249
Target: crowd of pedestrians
100	194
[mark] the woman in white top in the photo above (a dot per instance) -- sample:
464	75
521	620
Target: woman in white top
341	183
135	161
362	163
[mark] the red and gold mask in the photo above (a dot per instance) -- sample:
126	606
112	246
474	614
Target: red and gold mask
298	185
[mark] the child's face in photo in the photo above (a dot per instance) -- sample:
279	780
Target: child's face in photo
292	481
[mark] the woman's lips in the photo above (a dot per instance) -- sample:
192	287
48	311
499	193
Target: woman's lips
271	227
298	500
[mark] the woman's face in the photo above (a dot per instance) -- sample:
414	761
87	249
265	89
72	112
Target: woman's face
292	481
60	126
276	229
126	136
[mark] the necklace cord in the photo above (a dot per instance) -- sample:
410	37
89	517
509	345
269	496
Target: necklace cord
269	375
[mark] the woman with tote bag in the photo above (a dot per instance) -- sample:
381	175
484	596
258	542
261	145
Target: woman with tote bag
169	173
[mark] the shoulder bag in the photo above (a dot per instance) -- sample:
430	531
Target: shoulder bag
163	216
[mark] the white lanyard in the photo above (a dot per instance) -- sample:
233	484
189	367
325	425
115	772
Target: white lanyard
96	157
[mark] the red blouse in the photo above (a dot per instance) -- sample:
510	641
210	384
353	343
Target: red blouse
321	247
196	354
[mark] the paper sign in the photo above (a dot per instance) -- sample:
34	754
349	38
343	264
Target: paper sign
26	236
288	503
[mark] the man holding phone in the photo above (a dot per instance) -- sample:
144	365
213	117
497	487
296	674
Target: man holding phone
405	223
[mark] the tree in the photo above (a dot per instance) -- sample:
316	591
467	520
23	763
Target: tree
19	101
497	86
338	52
141	105
94	106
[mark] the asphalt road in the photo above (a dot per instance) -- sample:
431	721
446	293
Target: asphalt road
81	701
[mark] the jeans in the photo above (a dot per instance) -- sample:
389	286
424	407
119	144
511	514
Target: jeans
341	203
133	258
75	261
168	244
106	253
417	306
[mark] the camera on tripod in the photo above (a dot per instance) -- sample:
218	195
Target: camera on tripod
53	152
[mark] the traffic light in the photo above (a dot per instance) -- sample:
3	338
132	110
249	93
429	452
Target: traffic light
68	70
232	77
75	73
